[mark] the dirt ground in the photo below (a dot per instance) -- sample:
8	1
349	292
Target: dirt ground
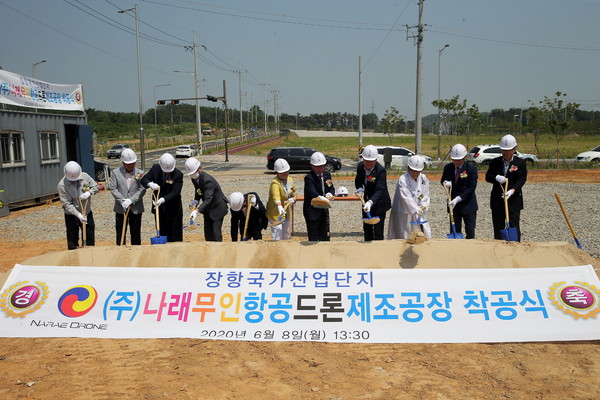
198	369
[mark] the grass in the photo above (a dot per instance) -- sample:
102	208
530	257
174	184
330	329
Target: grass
347	148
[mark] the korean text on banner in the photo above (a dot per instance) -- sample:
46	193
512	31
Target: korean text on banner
19	90
325	305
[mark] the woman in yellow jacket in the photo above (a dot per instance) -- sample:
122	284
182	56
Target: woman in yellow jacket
281	193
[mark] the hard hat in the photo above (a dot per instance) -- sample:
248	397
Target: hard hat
236	201
369	153
281	165
342	191
191	165
317	159
458	152
508	142
72	171
416	163
128	156
167	162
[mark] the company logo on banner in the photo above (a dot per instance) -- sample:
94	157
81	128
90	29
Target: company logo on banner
19	90
331	305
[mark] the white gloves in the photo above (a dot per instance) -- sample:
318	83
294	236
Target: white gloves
193	205
448	184
500	179
419	212
281	210
159	202
367	206
126	203
81	217
253	201
194	215
153	186
291	200
509	193
455	201
85	195
323	198
360	191
329	196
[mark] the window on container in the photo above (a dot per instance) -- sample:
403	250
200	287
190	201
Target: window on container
49	146
12	148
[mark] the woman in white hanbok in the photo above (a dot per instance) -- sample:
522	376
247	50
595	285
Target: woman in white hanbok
411	201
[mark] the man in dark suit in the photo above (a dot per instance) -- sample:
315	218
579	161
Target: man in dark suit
461	178
169	179
317	184
241	205
214	202
371	183
511	168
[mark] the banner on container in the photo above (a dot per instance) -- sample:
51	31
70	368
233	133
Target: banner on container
19	90
321	305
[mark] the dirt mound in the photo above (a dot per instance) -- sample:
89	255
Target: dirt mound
196	369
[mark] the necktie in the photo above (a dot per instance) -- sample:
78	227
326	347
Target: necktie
322	184
456	174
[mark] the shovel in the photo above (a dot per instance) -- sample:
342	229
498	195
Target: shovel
280	218
564	211
157	239
124	230
248	207
369	220
83	206
509	234
453	234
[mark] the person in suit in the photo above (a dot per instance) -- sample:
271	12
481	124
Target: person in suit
317	184
169	180
214	202
411	201
240	207
74	191
126	187
460	178
282	193
514	169
371	183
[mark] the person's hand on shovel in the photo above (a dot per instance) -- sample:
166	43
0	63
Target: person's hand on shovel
126	204
159	202
153	186
500	179
455	201
508	194
85	195
367	206
81	218
194	215
281	210
448	184
253	202
329	196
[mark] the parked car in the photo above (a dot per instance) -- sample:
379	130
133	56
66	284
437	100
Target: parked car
100	174
115	151
589	156
299	158
186	151
400	156
484	153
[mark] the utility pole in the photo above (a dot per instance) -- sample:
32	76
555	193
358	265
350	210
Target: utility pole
241	113
420	30
198	117
226	120
264	85
360	125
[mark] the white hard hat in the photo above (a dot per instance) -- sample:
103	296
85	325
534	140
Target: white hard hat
508	142
128	156
167	162
369	153
191	165
236	201
458	152
416	163
317	159
281	165
342	191
72	171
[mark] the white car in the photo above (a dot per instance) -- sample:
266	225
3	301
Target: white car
485	153
186	151
589	156
400	156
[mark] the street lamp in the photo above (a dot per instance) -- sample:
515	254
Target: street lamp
439	116
197	89
35	65
155	122
139	73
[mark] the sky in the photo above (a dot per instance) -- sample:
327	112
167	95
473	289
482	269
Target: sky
501	54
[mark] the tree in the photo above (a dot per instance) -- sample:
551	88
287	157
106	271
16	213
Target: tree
472	120
391	121
451	111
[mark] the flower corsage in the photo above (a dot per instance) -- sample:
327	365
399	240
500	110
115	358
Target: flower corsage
371	178
463	174
199	192
329	183
138	176
513	168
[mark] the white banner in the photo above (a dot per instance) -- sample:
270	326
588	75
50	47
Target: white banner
19	90
322	305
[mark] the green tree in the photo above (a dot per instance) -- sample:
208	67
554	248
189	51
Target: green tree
391	121
451	111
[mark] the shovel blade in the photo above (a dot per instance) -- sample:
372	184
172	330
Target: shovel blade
454	234
158	240
509	234
371	221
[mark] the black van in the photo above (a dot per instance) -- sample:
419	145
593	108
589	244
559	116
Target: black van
299	158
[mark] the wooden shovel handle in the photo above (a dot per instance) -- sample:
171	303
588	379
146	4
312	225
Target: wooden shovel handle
564	211
450	208
156	208
248	206
123	230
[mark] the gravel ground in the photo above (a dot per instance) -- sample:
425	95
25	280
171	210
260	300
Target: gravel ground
541	220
